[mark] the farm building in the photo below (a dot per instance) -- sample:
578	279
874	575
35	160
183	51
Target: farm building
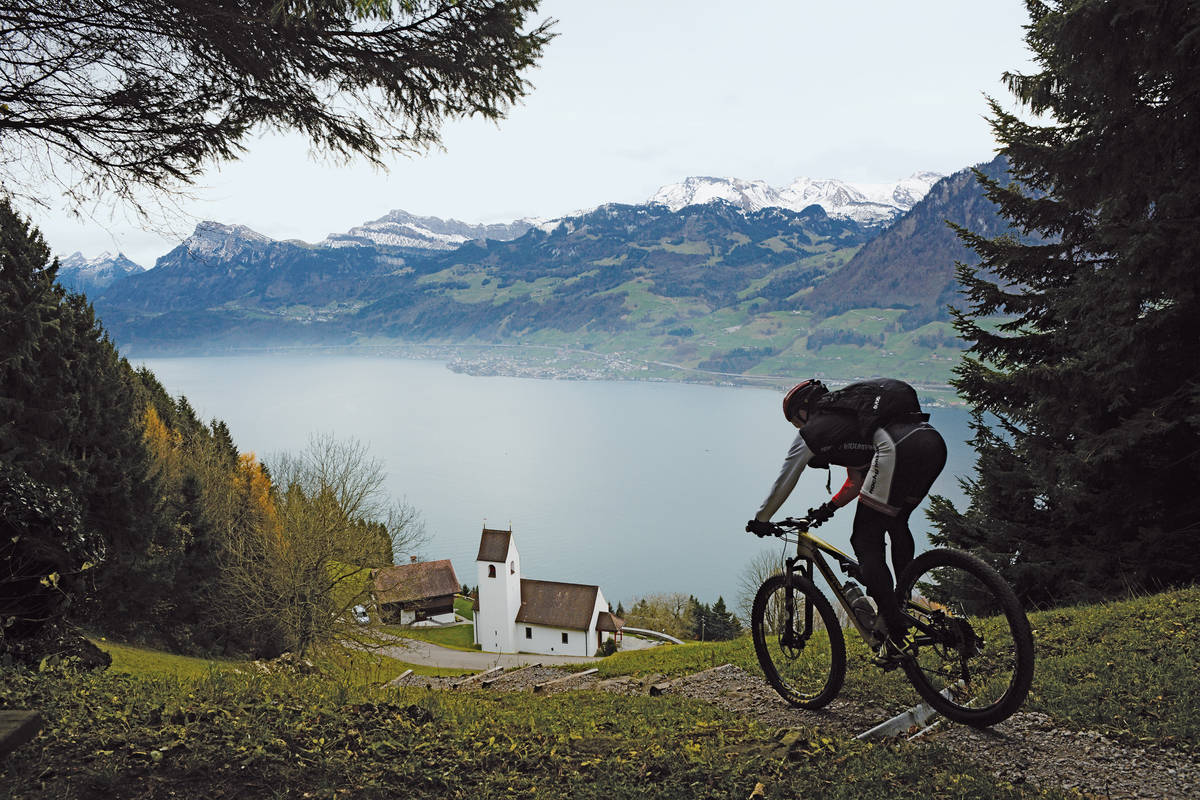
416	592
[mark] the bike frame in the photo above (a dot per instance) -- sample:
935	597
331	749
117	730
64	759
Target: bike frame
808	553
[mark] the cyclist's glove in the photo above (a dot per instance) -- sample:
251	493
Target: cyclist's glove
821	514
760	528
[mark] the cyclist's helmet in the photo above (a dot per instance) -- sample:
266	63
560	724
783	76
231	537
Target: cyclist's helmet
802	397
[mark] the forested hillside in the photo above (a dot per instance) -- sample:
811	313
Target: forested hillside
122	509
911	265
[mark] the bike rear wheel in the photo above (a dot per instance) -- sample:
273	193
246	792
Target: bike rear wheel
974	656
801	650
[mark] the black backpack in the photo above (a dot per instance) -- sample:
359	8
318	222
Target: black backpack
875	403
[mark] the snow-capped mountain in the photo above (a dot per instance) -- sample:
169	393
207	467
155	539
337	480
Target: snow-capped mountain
81	274
223	242
402	229
747	195
866	203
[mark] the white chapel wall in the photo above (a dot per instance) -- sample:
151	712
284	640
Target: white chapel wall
547	641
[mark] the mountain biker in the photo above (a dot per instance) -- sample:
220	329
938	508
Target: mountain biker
892	455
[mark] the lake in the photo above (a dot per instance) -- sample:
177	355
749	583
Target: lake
639	487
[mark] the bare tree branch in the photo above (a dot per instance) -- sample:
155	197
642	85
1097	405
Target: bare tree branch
299	568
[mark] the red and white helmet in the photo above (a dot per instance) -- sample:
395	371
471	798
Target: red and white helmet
801	397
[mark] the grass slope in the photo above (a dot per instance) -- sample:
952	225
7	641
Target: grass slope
364	667
1125	668
244	736
458	637
151	727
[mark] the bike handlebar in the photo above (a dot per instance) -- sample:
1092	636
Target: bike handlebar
784	525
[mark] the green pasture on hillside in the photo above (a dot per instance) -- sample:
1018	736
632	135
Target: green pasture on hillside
241	736
158	725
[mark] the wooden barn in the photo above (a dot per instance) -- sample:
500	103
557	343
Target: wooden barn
416	592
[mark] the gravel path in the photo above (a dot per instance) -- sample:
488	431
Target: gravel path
1025	749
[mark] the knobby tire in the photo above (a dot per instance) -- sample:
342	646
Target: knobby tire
979	667
808	675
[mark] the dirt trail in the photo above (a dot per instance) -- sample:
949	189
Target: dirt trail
1027	748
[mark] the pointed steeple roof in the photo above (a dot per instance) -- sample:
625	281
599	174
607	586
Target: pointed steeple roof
493	546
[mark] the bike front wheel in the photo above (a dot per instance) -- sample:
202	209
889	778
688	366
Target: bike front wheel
974	646
798	641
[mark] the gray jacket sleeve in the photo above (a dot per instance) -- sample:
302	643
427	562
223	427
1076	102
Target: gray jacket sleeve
797	459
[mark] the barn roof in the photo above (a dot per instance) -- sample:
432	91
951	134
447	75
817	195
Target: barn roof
408	583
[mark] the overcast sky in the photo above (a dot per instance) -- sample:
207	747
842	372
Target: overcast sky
633	95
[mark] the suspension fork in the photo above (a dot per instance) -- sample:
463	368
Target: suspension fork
801	566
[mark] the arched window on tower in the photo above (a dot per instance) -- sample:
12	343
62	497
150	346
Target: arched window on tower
491	570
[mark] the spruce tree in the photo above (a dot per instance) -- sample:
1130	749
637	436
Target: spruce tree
118	101
724	622
701	617
65	420
66	402
1087	393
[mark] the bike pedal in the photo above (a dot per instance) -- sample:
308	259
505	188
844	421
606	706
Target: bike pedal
889	657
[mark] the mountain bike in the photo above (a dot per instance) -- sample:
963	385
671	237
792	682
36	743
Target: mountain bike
969	651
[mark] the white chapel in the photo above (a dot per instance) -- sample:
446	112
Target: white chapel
519	615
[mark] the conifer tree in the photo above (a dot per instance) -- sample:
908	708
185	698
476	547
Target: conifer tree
701	617
725	623
713	623
114	99
1087	396
66	426
66	403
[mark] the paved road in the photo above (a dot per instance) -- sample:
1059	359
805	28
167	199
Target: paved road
415	651
426	654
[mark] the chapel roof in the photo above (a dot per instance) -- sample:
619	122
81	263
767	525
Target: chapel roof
557	605
609	622
493	545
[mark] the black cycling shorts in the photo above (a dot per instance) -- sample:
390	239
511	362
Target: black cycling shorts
908	458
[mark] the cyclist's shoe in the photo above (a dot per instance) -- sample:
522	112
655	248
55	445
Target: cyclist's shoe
893	653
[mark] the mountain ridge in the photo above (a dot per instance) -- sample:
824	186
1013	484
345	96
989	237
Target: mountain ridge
866	203
911	264
710	287
78	273
702	254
